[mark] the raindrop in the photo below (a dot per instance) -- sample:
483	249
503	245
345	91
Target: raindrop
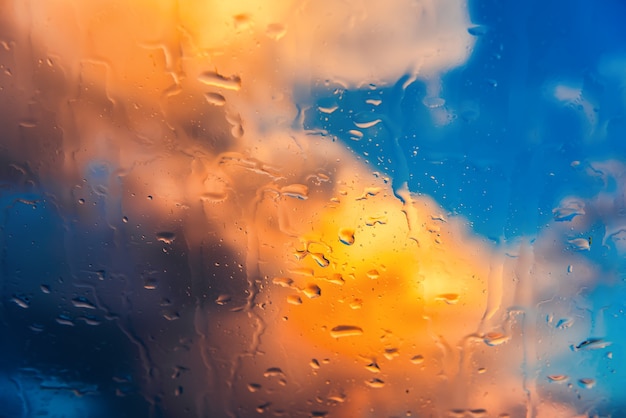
587	383
254	387
375	383
275	31
373	274
283	281
591	344
433	102
356	304
81	302
373	220
346	236
418	359
150	283
45	288
495	338
346	331
366	120
223	299
568	209
373	367
215	99
478	30
64	320
298	191
314	364
212	78
312	291
355	135
263	407
320	259
557	378
21	302
580	244
564	323
391	353
166	237
294	300
274	372
449	298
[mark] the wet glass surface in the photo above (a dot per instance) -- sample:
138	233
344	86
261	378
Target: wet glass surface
312	209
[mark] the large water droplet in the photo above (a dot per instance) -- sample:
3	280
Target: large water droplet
312	291
591	344
346	236
212	78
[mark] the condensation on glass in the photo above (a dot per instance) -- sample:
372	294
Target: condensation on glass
299	208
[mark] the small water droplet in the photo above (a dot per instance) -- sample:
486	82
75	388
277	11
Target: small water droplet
495	338
263	407
449	298
320	259
373	367
557	378
166	237
22	302
312	291
275	31
391	353
274	372
355	135
591	344
283	282
564	323
82	302
366	120
294	300
346	236
212	78
433	102
375	383
418	359
45	288
478	30
587	383
374	102
580	244
356	303
64	320
373	220
368	192
568	209
570	269
254	387
223	299
346	331
373	274
215	99
314	364
298	191
150	283
125	219
481	370
171	316
178	391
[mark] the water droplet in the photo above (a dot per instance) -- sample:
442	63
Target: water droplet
320	259
294	300
570	269
150	283
356	303
45	288
335	278
318	414
125	219
478	30
283	282
586	383
564	323
373	220
373	274
433	102
355	135
314	364
312	291
263	407
369	191
346	331
212	78
223	299
568	209
449	298
298	191
346	236
478	413
373	367
274	372
591	344
215	99
82	302
391	353
580	244
418	359
366	120
495	338
166	237
558	378
374	102
482	370
328	110
171	316
375	383
254	387
22	302
178	391
65	320
275	31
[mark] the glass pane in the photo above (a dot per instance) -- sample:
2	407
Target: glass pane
312	208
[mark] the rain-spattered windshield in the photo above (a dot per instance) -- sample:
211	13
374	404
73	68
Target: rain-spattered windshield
327	209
